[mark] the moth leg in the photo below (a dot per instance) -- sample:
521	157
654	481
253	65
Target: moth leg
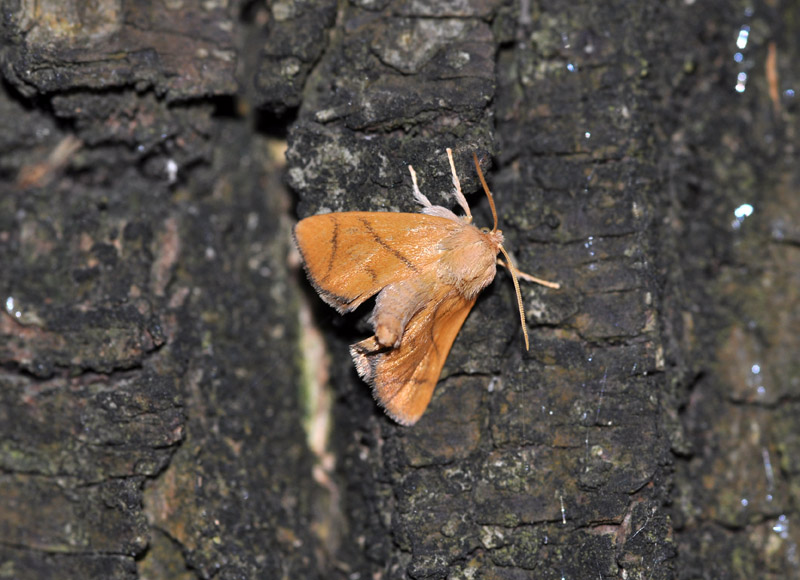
396	304
362	353
530	278
418	195
462	201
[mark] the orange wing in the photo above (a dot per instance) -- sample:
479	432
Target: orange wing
350	256
403	378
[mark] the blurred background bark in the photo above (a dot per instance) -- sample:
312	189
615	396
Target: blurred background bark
175	402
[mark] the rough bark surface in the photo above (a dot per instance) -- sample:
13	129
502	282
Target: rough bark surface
176	403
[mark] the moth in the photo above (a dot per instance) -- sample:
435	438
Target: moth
427	270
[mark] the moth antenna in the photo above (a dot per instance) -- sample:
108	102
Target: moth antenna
488	193
462	201
418	195
513	270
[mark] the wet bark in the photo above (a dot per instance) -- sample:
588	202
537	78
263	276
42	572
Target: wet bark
177	403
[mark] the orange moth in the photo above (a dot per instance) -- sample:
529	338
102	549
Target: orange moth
427	270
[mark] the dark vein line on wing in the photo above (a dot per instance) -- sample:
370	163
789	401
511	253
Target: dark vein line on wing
334	246
386	246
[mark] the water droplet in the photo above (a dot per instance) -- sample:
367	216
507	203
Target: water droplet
741	40
13	308
741	82
782	526
172	170
740	213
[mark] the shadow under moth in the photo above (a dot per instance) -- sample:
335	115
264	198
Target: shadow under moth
427	270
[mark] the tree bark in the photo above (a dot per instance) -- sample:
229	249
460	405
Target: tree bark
176	402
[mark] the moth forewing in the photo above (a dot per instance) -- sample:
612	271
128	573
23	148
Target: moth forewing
351	256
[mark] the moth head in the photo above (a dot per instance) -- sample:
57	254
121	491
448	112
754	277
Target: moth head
495	238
